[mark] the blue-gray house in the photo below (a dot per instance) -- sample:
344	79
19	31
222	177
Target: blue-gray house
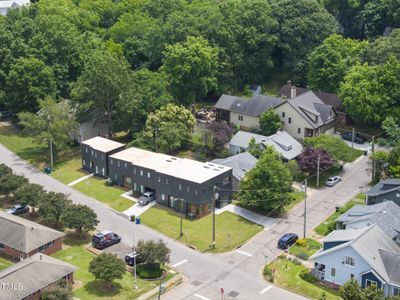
385	190
369	255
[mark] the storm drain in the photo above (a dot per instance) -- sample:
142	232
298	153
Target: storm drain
233	294
196	283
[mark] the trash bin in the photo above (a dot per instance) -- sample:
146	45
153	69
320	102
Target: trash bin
337	208
137	220
365	152
133	217
47	170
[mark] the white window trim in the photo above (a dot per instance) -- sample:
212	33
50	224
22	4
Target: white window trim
349	259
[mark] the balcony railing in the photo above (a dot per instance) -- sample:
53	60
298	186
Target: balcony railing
318	274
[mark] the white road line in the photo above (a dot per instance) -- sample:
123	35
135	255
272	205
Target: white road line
201	297
244	253
180	263
266	289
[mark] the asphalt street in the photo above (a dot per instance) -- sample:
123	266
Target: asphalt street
237	272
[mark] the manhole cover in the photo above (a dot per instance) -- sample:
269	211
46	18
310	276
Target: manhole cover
233	294
196	283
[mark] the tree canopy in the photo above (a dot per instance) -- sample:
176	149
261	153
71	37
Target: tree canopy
79	217
267	185
107	267
269	122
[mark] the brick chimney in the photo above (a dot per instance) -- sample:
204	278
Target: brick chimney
292	92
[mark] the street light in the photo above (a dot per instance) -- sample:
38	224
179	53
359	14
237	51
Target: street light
134	254
214	197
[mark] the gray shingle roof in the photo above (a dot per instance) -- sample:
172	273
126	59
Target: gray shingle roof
368	243
24	235
252	107
384	187
240	163
310	106
283	143
391	261
34	273
385	214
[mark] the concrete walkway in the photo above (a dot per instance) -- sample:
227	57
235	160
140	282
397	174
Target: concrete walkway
138	209
267	222
128	196
80	179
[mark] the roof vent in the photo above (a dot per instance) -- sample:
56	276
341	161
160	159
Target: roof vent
211	165
206	167
215	169
169	160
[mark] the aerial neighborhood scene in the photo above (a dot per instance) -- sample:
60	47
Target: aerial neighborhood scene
200	149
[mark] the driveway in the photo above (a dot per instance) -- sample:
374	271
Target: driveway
239	273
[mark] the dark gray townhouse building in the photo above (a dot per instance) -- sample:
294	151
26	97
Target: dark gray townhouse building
385	190
95	153
174	180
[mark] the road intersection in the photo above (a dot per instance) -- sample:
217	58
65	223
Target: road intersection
237	272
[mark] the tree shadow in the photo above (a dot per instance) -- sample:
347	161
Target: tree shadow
76	239
98	288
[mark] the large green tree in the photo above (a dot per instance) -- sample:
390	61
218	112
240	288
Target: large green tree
269	122
379	50
330	62
52	206
372	93
54	123
351	290
102	86
301	29
170	127
394	161
107	267
191	68
30	194
10	183
28	81
81	218
153	253
267	186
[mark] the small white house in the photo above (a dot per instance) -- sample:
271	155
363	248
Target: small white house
288	147
369	255
6	5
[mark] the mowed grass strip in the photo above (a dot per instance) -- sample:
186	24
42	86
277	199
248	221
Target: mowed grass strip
231	230
96	188
87	287
287	275
5	263
68	171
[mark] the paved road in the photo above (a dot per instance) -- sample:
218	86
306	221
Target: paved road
237	272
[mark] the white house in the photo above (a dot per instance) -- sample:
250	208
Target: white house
306	116
6	5
369	255
288	147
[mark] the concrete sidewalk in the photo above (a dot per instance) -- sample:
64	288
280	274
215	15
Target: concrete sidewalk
80	179
138	209
267	222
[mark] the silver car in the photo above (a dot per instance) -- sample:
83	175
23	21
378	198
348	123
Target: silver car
146	198
331	181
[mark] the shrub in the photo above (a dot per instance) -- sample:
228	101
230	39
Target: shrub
296	261
109	182
301	242
302	256
268	274
306	276
146	271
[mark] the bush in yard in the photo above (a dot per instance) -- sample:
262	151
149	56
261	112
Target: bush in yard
29	194
351	290
307	276
373	293
153	253
268	274
107	267
146	272
323	296
222	133
81	218
308	160
10	183
60	291
269	122
5	170
296	261
301	242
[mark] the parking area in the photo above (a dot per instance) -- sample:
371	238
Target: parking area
120	249
364	146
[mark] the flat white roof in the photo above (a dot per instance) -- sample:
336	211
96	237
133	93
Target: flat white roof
102	144
183	168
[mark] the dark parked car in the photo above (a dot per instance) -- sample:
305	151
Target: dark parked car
4	114
105	239
146	198
348	136
287	240
129	259
18	209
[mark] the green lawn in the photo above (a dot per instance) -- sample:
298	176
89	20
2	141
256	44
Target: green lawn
24	146
231	230
287	276
89	288
295	198
5	263
69	171
329	224
110	195
305	249
312	182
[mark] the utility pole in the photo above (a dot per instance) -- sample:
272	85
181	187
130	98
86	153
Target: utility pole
181	232
213	212
305	209
156	136
352	139
318	161
373	161
51	154
134	253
